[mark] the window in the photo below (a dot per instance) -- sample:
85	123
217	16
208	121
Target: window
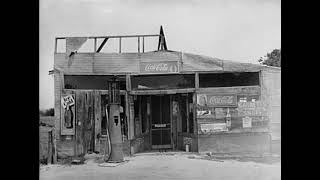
163	81
229	79
91	82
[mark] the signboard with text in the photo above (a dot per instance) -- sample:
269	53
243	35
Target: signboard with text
211	100
214	127
246	122
165	67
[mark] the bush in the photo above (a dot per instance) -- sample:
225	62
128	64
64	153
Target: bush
47	112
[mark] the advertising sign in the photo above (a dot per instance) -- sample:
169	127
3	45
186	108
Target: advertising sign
216	100
67	101
164	67
246	122
214	127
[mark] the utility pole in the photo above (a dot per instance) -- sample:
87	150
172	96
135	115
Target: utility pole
114	121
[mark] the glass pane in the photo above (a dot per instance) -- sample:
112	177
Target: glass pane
163	81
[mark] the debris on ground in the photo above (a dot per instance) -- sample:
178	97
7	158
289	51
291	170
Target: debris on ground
112	164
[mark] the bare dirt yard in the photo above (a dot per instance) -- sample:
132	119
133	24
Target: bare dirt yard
168	165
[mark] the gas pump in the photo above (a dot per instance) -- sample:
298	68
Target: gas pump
114	124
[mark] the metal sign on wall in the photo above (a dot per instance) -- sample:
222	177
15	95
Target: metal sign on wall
211	100
165	67
68	116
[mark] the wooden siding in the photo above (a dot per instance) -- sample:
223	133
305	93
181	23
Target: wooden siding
239	90
121	63
97	121
192	62
78	63
271	78
231	66
115	63
160	56
57	103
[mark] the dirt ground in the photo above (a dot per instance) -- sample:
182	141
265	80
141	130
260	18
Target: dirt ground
168	165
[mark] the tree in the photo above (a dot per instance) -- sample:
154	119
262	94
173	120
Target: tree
272	59
47	112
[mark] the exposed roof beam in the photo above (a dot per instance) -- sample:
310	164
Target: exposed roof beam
102	44
124	36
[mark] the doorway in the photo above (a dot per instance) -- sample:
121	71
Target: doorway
161	122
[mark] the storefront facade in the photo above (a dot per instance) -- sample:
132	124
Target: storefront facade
168	100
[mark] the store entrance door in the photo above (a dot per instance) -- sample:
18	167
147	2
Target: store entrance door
161	122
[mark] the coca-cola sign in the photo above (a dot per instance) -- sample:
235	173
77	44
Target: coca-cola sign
213	100
159	67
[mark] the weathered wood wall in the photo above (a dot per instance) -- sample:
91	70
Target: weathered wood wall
194	142
236	143
271	78
109	63
47	142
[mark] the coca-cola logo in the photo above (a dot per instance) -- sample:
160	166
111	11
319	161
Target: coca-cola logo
161	67
221	100
156	67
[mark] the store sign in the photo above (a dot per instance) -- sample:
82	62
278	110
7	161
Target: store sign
159	67
216	100
214	127
160	125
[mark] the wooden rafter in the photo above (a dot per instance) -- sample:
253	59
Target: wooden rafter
102	44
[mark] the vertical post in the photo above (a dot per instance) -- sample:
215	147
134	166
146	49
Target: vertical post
130	109
138	44
143	44
196	80
54	149
127	119
120	45
55	45
95	44
195	124
187	113
131	122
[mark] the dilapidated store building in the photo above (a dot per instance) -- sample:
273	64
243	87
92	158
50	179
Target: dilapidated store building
169	99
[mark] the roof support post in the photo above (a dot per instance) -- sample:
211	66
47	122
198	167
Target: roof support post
143	44
120	45
95	45
138	44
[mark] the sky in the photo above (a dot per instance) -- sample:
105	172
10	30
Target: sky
237	30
